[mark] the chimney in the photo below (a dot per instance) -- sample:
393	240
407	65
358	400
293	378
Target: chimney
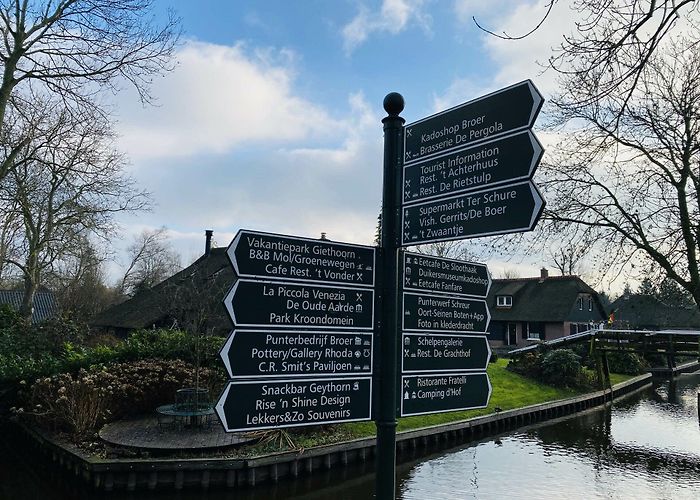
544	274
323	236
207	245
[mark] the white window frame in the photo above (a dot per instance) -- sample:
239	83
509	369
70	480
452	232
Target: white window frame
504	301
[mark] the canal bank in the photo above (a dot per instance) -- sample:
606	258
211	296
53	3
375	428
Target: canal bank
176	474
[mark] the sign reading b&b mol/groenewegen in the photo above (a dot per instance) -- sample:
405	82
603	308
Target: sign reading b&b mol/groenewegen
266	404
254	254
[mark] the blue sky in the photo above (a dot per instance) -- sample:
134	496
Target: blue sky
272	118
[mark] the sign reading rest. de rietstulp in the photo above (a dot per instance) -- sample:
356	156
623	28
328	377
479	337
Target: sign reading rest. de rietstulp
264	255
435	313
507	159
508	209
443	353
274	304
266	404
437	393
507	110
448	276
253	353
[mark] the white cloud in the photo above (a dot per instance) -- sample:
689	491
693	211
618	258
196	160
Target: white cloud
393	17
219	98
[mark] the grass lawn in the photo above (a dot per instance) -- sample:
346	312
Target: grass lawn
510	390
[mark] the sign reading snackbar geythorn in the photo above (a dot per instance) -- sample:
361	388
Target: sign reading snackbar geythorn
446	276
507	110
266	404
436	393
253	353
264	255
277	304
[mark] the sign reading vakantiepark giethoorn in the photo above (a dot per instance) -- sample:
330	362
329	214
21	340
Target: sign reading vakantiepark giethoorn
301	349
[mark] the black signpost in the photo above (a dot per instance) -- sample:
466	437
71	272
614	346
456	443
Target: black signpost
445	276
253	353
436	393
437	313
505	160
268	404
502	112
507	209
444	353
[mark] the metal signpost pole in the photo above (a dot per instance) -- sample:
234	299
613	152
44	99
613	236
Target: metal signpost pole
388	341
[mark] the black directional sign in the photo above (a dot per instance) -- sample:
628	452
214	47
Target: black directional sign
438	393
507	159
447	276
277	304
444	353
435	313
264	255
266	404
280	353
508	209
507	110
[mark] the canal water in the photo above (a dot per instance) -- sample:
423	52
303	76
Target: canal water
645	446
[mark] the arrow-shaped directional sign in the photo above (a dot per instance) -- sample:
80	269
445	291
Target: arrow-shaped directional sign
275	304
426	273
508	209
508	159
436	393
252	353
443	353
267	404
507	110
435	313
264	255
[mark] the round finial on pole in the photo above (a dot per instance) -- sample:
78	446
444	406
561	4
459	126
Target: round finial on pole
393	103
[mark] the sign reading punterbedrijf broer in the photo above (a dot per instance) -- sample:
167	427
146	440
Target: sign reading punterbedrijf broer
305	308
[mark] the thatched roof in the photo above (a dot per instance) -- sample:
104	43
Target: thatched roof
646	311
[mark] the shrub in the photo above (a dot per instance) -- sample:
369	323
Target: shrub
627	362
562	367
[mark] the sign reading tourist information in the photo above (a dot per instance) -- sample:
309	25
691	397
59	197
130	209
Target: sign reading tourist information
507	110
263	255
508	209
249	353
436	393
435	313
273	403
446	276
508	159
277	304
444	353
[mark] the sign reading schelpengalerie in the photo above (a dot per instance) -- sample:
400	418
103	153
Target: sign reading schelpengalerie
265	404
507	110
263	255
440	275
507	159
438	393
434	313
283	305
252	353
437	352
507	209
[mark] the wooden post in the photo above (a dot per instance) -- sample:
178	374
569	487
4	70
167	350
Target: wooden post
606	370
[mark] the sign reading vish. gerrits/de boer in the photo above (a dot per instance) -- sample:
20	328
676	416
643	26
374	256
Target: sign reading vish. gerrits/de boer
301	349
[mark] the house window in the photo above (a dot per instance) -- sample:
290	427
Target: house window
533	331
579	303
504	301
590	303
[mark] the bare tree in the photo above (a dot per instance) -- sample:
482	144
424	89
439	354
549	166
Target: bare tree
509	274
74	49
67	182
151	260
446	249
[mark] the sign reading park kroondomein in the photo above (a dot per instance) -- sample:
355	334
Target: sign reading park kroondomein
507	209
426	273
507	110
253	353
273	403
274	256
505	160
444	353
